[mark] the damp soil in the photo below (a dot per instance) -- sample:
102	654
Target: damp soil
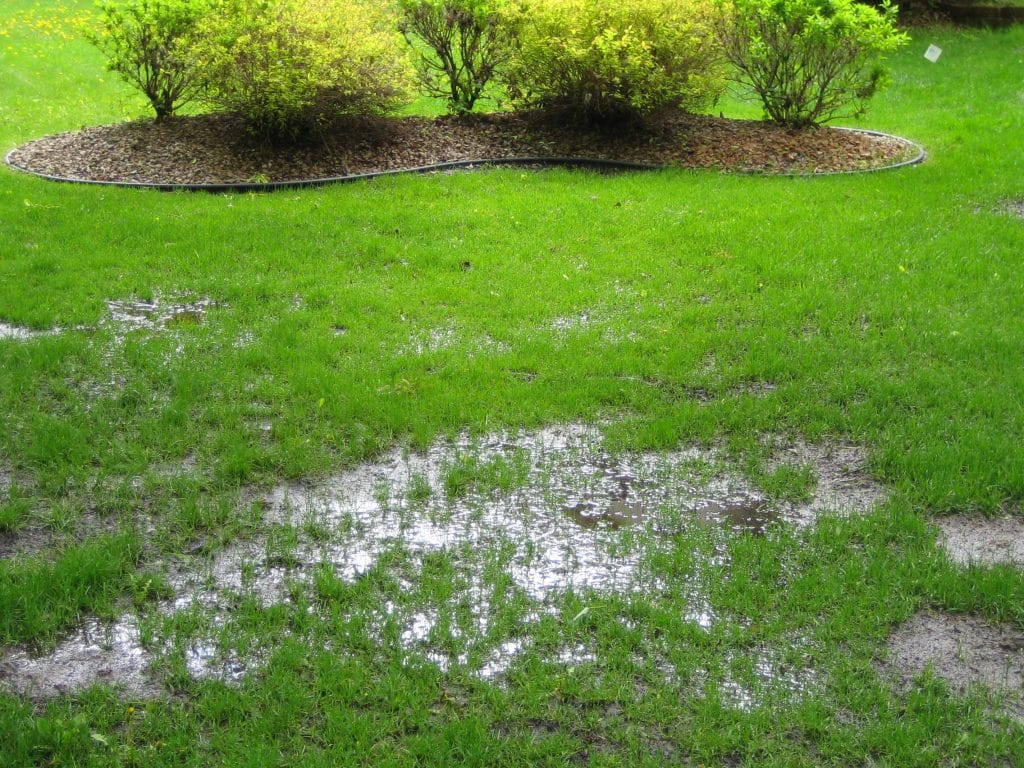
35	538
985	541
1015	208
550	510
842	479
216	149
966	651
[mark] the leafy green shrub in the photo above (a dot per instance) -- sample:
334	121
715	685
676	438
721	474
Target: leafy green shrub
461	45
809	60
605	59
288	66
147	43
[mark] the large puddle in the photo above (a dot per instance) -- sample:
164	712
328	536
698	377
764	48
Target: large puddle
521	518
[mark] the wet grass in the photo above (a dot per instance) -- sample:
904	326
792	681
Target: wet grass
885	309
41	596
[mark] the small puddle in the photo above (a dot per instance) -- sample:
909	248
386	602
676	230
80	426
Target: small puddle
753	388
965	651
430	341
974	540
759	676
131	315
159	313
569	323
114	653
551	511
21	333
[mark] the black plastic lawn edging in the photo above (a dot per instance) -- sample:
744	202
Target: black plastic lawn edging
976	15
585	163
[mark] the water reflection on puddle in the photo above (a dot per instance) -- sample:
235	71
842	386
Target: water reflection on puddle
129	315
749	514
22	333
107	652
158	313
575	518
543	513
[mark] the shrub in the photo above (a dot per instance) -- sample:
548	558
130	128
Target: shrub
809	60
461	44
605	59
288	66
147	43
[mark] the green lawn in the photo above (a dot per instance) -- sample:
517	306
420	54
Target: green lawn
886	309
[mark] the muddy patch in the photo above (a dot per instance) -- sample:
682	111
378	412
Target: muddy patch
94	653
44	532
186	466
25	540
966	651
752	389
841	479
743	513
1015	208
517	517
971	540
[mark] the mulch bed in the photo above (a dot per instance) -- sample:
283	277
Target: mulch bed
217	149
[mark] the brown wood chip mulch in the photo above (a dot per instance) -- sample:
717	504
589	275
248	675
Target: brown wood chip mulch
216	149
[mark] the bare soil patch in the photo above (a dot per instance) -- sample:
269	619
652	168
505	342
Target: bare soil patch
216	149
1015	208
963	650
971	540
843	481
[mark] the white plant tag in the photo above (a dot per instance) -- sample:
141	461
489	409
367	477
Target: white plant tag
933	53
